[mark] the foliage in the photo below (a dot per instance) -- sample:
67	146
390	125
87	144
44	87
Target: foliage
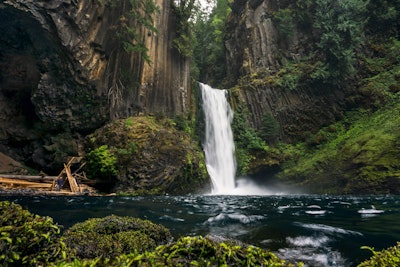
194	251
203	251
185	124
304	14
140	15
149	155
101	163
341	24
291	75
384	17
284	18
270	128
244	135
113	235
209	51
27	239
357	154
381	76
385	258
183	11
247	141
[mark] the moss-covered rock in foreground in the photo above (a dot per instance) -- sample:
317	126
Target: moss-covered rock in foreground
112	236
145	155
193	251
27	239
386	258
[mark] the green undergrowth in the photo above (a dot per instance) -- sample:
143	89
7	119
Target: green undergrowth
112	236
192	251
27	239
251	149
358	154
31	240
385	258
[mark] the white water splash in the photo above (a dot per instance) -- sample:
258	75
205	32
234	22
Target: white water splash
218	146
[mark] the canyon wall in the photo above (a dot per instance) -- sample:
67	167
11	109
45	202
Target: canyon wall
64	71
256	50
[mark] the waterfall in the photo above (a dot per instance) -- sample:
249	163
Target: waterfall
218	145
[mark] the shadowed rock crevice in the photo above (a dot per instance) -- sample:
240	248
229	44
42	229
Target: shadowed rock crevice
39	95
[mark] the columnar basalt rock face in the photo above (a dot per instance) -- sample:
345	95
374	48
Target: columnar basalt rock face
64	68
165	83
254	44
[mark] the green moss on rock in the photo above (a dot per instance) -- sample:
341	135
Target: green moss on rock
152	156
112	236
357	155
27	239
194	251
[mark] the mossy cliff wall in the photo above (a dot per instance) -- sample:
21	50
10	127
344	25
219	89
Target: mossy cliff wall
64	69
266	44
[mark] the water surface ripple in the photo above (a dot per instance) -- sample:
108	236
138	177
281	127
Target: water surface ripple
319	230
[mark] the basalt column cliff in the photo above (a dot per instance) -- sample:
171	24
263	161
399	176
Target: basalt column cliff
265	41
64	70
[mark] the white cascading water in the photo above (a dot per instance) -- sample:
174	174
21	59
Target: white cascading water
218	145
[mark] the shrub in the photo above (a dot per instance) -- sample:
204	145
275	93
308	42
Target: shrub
247	141
385	258
113	235
270	128
341	24
27	239
204	251
101	163
194	251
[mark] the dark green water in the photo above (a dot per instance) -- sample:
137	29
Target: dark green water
318	230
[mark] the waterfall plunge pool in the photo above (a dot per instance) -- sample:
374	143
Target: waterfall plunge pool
320	230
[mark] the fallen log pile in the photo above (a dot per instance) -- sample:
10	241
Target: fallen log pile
66	183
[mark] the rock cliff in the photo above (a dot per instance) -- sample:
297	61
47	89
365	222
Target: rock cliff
257	50
64	72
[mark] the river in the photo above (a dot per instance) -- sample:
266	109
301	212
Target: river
320	230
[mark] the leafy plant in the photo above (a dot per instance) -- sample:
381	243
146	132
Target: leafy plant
183	11
209	49
203	251
284	18
357	154
385	258
246	140
341	24
101	163
27	239
270	128
384	17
